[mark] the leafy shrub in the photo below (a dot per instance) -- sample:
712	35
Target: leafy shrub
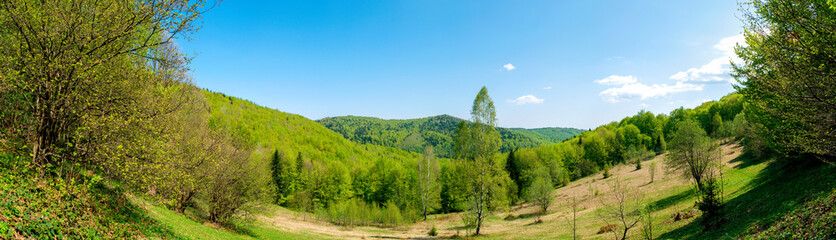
607	173
433	232
607	228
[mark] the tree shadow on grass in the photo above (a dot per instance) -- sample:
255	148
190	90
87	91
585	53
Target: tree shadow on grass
781	187
746	160
686	194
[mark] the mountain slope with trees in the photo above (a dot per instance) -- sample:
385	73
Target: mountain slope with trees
439	131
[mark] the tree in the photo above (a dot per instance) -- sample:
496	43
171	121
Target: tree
647	221
623	207
573	223
284	174
652	171
73	63
697	157
540	192
716	124
428	171
788	72
661	145
512	168
230	184
477	144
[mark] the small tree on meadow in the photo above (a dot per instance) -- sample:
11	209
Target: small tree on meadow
573	222
541	193
697	157
622	207
652	171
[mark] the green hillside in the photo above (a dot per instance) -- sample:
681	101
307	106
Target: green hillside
268	129
413	134
549	134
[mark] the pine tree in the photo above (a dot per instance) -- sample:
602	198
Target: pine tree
512	168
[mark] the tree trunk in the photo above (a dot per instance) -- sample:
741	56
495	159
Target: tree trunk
46	136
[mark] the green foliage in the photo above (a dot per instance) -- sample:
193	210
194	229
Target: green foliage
513	169
285	175
541	192
354	212
230	185
476	144
77	89
697	157
652	171
428	185
788	73
47	207
437	131
332	168
607	173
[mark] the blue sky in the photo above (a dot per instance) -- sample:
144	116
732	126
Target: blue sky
545	63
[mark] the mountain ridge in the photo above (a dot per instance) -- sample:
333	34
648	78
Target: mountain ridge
413	134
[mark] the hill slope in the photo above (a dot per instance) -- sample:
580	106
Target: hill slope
413	134
267	129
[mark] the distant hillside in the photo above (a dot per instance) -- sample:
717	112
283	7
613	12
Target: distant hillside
551	134
413	134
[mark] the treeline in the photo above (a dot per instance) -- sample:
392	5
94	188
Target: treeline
630	140
439	131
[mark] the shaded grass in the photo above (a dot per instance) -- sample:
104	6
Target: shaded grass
754	205
79	206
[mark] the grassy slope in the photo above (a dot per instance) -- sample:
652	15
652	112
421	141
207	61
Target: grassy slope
763	199
757	200
184	227
412	134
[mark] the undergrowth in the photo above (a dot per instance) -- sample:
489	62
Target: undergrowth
44	206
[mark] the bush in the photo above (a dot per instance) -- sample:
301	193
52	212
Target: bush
607	228
607	173
230	186
433	232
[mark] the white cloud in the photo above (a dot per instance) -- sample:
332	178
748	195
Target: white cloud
641	91
509	66
617	80
614	58
547	88
717	70
526	100
643	105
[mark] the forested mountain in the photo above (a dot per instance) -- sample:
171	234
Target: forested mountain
439	131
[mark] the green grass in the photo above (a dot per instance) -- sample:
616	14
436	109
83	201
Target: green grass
184	227
758	194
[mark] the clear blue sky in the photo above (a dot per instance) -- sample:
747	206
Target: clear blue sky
575	63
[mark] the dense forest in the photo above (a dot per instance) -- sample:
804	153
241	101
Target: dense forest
438	131
101	126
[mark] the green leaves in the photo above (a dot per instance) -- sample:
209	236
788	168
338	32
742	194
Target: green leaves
788	73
